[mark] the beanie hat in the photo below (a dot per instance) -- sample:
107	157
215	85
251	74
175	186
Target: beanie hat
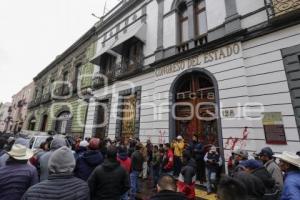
94	143
61	161
57	143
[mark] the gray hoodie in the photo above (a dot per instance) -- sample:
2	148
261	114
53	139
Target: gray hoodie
43	162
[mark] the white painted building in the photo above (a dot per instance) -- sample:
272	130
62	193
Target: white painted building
241	57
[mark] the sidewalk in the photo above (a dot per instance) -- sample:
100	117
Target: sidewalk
146	191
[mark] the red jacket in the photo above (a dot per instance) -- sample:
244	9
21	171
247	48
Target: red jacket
170	160
126	164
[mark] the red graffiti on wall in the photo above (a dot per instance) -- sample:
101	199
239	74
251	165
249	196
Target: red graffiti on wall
232	142
161	139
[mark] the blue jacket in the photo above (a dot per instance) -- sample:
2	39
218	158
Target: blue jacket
86	163
15	179
291	188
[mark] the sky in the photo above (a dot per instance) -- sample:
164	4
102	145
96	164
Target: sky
34	32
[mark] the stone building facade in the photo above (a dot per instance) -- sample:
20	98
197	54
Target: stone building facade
59	100
20	103
225	70
5	117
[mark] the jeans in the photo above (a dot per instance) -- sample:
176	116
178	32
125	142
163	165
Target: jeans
124	196
145	170
177	165
134	188
211	177
156	174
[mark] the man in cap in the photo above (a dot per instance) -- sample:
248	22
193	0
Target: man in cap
89	160
239	155
178	146
290	165
61	183
266	156
256	168
17	176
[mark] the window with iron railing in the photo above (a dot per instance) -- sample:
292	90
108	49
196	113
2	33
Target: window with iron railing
132	56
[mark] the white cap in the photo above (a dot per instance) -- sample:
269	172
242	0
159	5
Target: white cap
179	137
84	143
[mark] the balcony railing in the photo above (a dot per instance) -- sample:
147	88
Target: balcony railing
200	41
99	80
127	68
280	8
183	47
46	98
34	103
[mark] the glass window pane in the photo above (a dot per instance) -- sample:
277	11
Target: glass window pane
202	23
184	31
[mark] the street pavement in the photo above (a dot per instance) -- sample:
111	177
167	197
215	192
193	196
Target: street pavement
147	190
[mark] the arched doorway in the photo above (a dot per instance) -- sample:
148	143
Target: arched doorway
195	107
31	124
62	124
44	123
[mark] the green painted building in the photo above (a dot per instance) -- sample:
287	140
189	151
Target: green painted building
59	101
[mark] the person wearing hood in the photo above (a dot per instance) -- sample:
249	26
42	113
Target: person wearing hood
125	162
17	175
61	184
187	177
239	156
43	161
88	160
266	156
290	165
109	180
213	162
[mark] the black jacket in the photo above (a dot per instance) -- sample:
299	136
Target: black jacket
265	177
255	187
60	187
86	163
137	161
168	195
188	172
108	181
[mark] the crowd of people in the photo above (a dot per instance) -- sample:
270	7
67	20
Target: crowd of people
104	169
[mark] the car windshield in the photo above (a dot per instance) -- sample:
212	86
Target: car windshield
39	141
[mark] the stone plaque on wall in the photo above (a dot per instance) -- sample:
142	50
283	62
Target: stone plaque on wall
274	128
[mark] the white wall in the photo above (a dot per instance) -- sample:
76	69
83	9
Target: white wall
216	13
170	31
